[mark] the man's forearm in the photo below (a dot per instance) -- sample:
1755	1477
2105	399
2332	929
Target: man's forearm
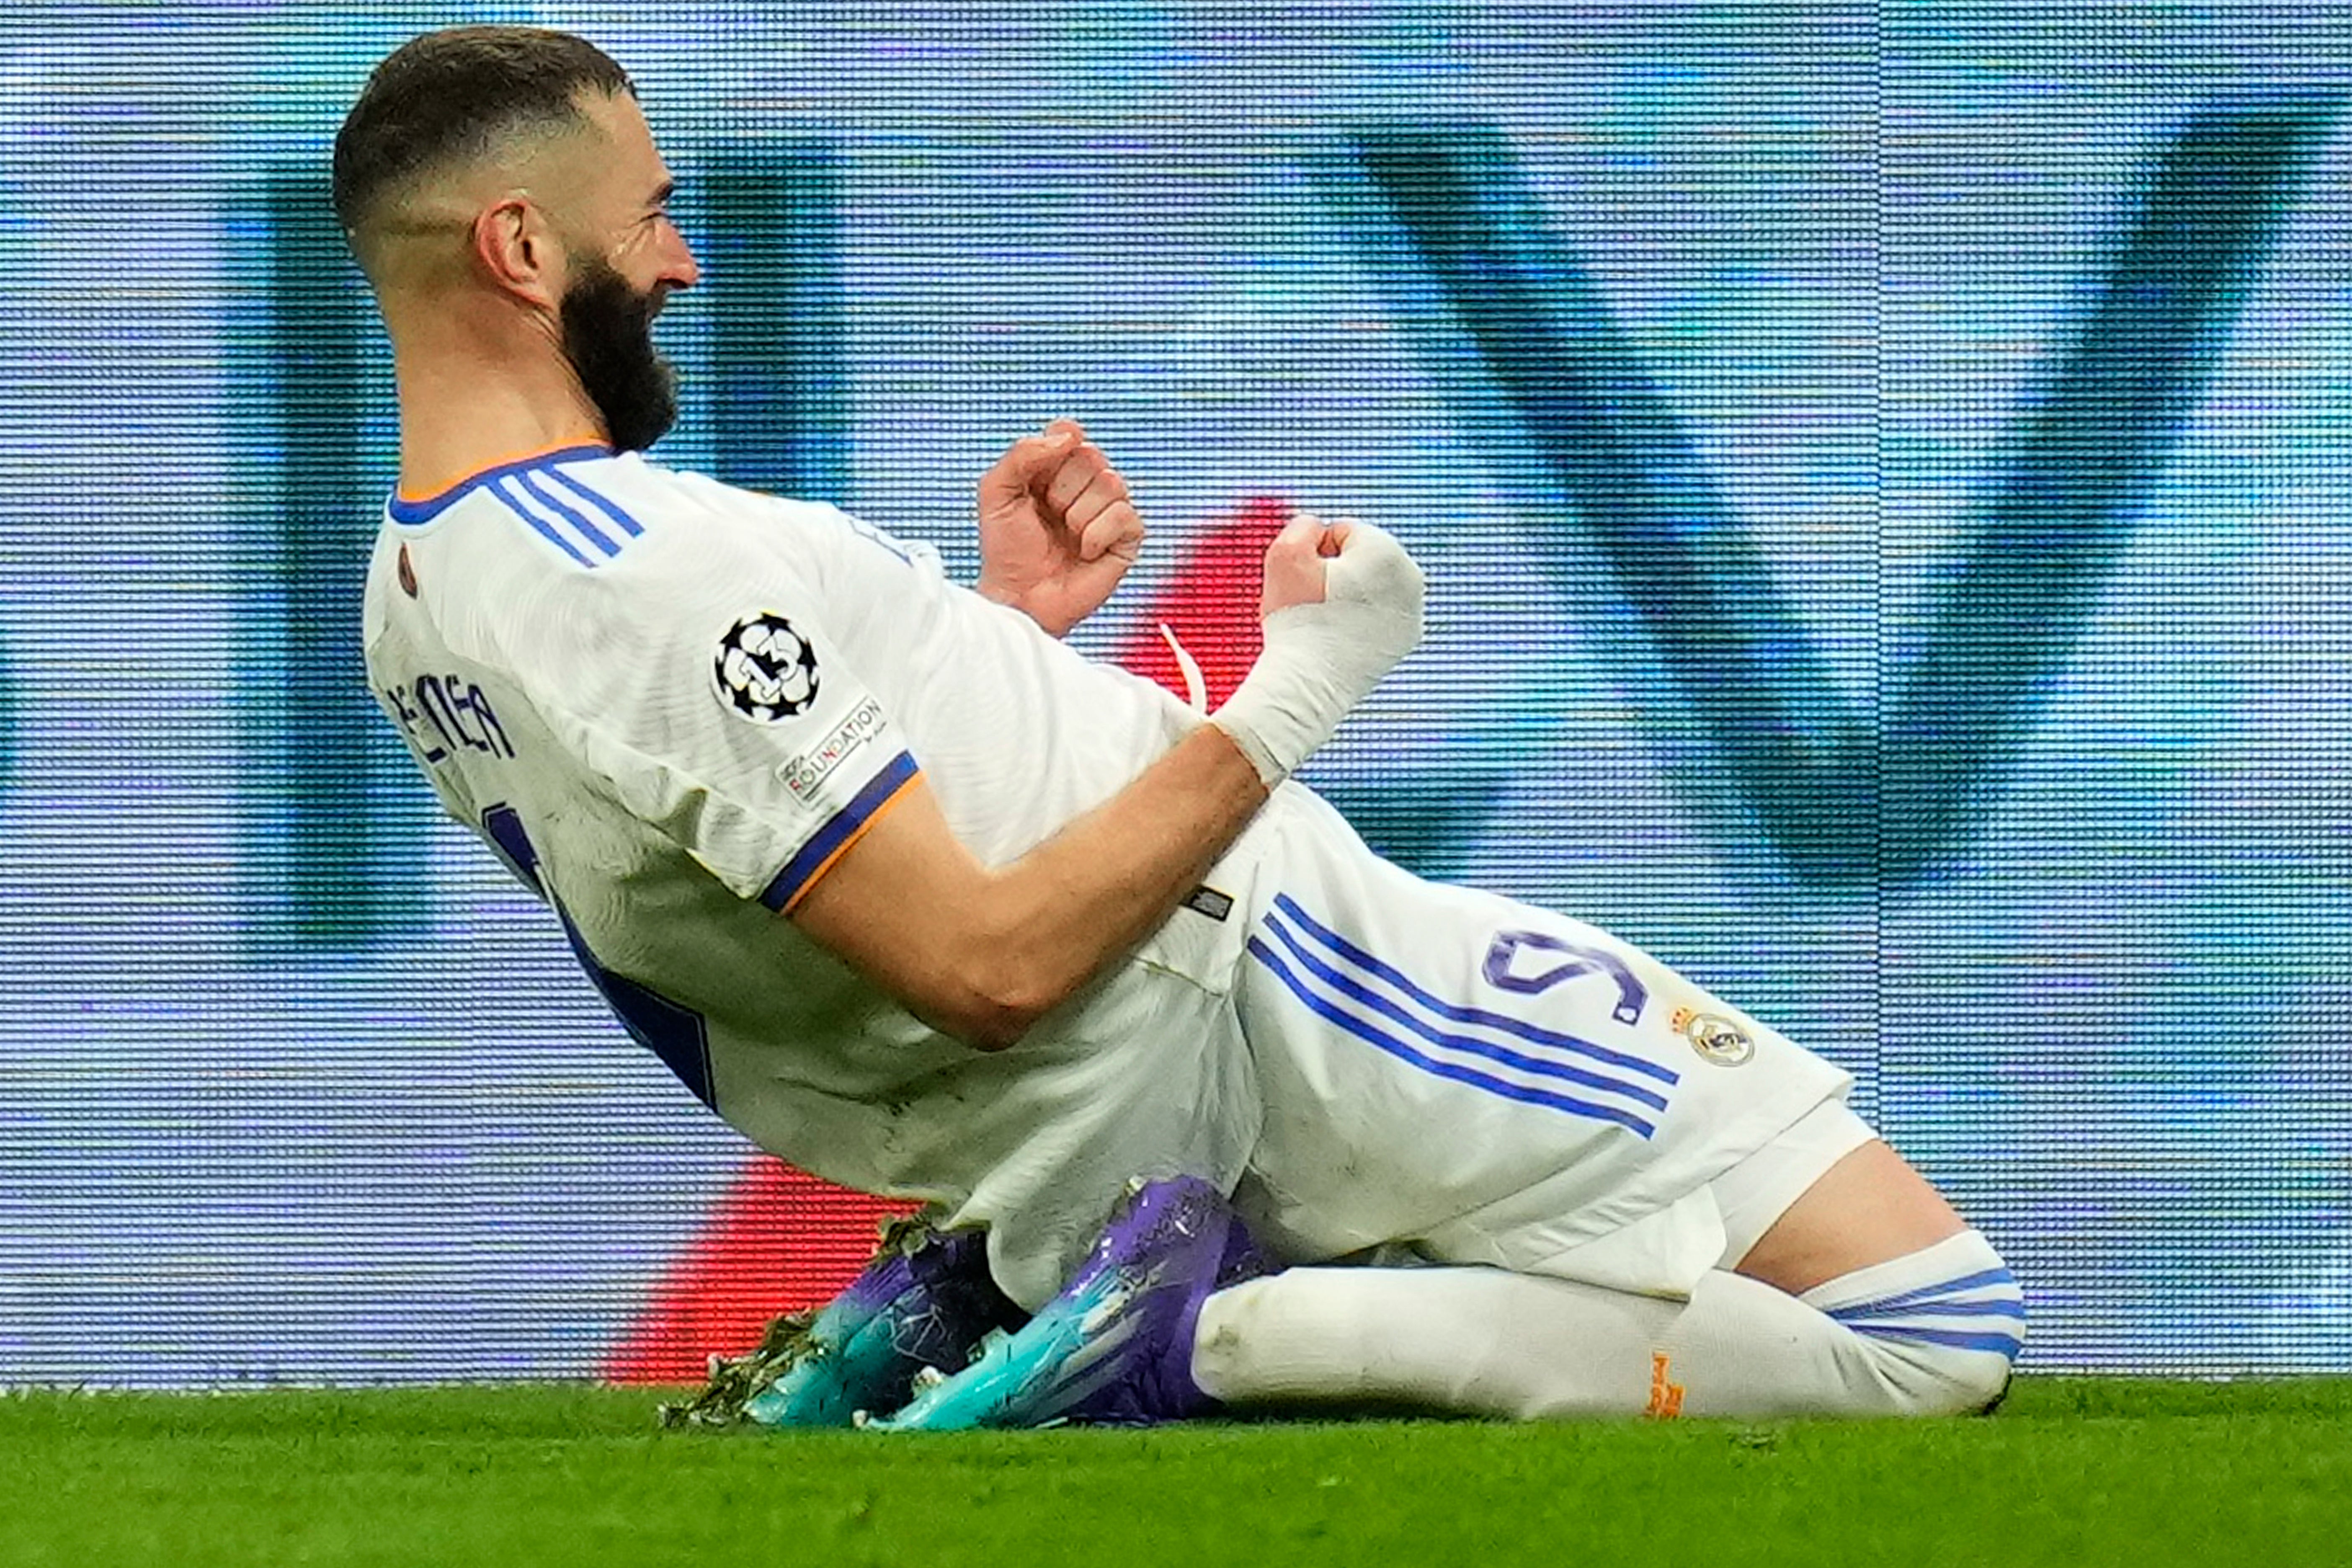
1092	891
982	953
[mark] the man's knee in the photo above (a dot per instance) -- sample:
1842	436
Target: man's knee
1935	1381
1939	1328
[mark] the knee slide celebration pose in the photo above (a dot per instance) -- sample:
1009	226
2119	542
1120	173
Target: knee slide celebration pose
1220	1109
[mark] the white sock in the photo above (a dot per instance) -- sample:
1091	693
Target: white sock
1483	1342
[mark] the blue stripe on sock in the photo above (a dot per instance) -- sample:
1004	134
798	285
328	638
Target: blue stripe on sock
1501	1054
1948	1287
1535	1033
1371	1034
2004	1308
2001	1344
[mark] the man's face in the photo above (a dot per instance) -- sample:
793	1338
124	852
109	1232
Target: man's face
622	270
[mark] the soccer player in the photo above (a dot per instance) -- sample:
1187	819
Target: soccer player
929	904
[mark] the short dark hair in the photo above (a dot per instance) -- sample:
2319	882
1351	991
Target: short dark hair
450	95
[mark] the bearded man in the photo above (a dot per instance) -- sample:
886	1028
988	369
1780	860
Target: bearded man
1219	1107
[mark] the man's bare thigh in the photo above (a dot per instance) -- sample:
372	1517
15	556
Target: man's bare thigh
1867	1208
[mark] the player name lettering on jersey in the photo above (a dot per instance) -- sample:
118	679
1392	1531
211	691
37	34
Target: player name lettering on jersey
806	772
439	715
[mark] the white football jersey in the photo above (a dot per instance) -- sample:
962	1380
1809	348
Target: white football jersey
670	704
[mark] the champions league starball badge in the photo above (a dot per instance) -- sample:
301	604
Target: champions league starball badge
765	670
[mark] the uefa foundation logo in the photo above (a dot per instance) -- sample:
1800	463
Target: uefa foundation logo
765	670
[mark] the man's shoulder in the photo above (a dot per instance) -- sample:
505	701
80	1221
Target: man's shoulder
590	556
720	537
677	494
588	509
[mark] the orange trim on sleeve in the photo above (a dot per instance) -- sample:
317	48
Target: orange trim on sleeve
827	864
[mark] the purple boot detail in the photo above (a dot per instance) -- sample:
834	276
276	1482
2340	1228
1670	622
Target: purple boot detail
1115	1348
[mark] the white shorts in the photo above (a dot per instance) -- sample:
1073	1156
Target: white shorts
1481	1081
1757	1191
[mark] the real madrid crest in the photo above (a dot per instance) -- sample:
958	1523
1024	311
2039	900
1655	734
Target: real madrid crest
1715	1037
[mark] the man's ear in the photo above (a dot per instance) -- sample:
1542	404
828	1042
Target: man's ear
514	246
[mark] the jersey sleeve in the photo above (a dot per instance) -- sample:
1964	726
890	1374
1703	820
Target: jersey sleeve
721	709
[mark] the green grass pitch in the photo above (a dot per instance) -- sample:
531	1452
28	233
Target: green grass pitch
2073	1471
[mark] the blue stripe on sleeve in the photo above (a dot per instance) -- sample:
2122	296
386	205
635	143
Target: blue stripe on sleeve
1501	1054
1533	1033
802	869
1372	1034
539	525
597	498
588	531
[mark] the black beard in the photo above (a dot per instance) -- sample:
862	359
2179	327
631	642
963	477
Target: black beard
608	336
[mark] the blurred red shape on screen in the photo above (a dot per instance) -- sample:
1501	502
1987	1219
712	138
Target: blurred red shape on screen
1212	605
779	1239
782	1240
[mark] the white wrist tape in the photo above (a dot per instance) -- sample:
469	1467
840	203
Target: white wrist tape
1320	660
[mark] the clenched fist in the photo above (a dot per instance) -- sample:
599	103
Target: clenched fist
1342	604
1057	530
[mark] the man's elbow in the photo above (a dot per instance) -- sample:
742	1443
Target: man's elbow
1000	1000
991	1026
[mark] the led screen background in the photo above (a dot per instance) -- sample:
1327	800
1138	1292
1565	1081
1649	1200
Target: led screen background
1882	309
